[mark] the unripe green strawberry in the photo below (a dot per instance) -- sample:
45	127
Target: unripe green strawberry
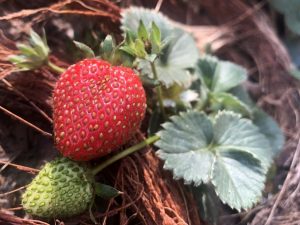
97	108
62	188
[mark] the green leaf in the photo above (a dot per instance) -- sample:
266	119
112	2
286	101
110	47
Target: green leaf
86	50
206	67
238	178
283	7
182	51
132	16
242	95
172	66
185	140
290	10
229	152
227	76
293	22
194	129
270	129
142	31
106	191
229	102
218	75
189	165
236	133
295	73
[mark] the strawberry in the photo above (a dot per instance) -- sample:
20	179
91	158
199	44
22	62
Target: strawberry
97	108
63	188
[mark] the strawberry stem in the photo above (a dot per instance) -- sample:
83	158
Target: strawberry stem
125	153
159	91
55	68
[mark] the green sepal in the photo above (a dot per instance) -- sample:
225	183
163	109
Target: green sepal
105	191
86	50
142	32
155	39
208	203
174	62
129	37
129	45
27	50
17	58
39	44
140	49
107	47
129	50
156	119
32	55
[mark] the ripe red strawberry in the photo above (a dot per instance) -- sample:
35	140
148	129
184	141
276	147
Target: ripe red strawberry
97	108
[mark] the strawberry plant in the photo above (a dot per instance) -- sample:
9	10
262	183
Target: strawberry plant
290	12
207	129
220	139
64	188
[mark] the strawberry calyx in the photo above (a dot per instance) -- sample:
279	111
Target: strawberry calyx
34	55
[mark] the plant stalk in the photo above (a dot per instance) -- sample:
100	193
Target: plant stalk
55	68
159	91
125	153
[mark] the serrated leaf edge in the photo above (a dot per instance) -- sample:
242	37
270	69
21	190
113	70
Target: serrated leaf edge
243	104
247	121
253	201
123	13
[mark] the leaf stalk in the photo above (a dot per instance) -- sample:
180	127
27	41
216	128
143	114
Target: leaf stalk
125	153
55	68
159	91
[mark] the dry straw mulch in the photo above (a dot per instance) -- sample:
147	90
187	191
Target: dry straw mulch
237	31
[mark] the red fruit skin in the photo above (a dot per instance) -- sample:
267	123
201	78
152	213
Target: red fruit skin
96	109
